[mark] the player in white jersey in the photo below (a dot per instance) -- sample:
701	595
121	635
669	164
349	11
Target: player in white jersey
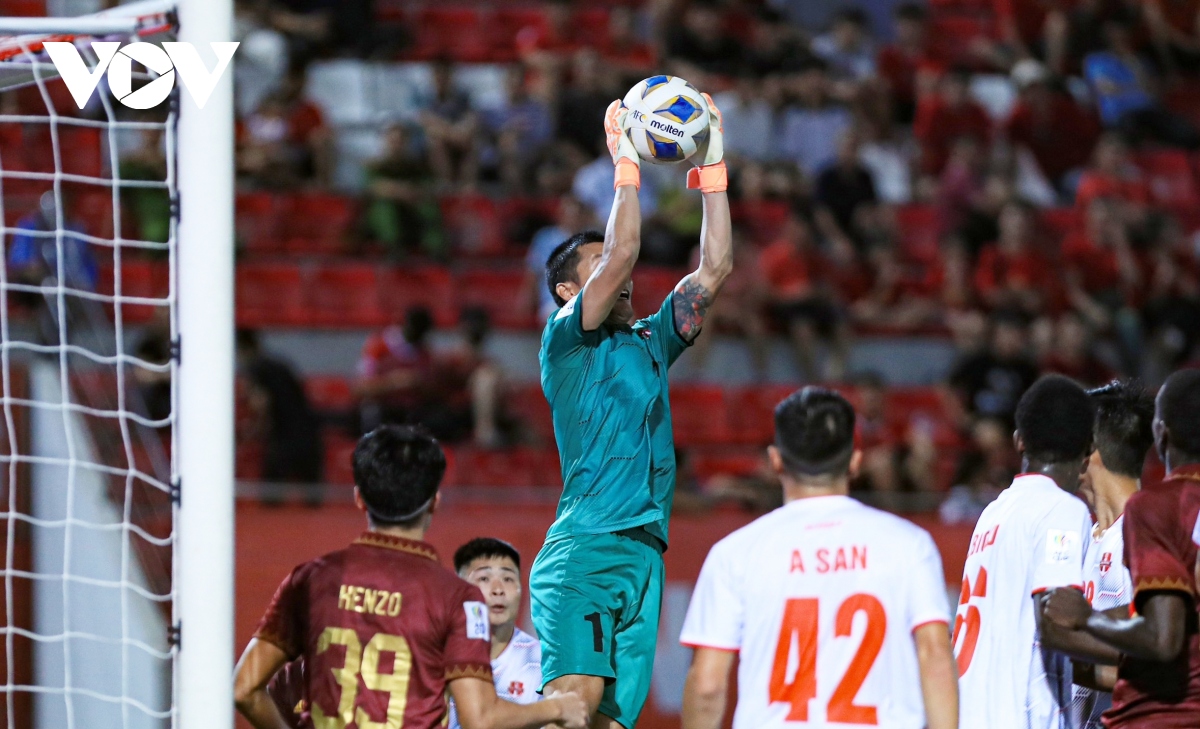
838	610
1028	541
1121	437
495	568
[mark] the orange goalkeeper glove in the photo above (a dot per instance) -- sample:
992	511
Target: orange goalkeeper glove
710	175
628	166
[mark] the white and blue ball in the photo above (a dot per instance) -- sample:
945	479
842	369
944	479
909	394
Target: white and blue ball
668	119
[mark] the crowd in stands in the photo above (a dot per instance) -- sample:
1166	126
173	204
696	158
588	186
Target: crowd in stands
1016	175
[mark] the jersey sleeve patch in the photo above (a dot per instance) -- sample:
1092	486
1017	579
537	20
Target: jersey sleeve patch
477	620
1062	546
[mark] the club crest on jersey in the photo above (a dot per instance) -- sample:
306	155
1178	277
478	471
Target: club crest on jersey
1105	563
477	621
1061	546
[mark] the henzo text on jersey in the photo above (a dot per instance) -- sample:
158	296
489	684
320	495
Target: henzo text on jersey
365	600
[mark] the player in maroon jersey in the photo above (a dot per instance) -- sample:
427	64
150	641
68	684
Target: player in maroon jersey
383	629
1158	678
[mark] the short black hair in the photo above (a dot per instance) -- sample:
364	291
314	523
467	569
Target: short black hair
485	547
1179	408
564	261
814	432
1123	431
398	469
1054	419
853	15
246	339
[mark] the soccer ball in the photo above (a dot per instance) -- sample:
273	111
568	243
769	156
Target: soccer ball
668	119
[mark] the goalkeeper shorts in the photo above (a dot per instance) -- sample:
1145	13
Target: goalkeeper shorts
595	601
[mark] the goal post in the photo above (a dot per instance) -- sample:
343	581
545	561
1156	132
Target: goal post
204	437
107	462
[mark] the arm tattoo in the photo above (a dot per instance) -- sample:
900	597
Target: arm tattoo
691	305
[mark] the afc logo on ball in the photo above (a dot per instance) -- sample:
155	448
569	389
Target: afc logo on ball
118	62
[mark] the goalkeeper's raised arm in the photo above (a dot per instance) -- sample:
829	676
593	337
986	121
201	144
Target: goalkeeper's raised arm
696	292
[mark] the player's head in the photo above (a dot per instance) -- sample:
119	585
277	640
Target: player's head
1121	435
571	265
494	567
1177	418
1054	423
814	438
397	471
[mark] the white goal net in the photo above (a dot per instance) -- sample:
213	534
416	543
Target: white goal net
89	364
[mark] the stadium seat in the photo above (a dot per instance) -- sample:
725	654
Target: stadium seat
751	413
497	293
918	228
473	225
528	404
403	287
956	33
339	450
1058	222
269	294
317	223
92	208
506	468
763	218
80	149
651	284
258	222
344	296
1172	180
706	462
457	32
698	415
139	278
329	393
24	8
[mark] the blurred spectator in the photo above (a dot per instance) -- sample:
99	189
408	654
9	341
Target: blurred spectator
285	142
394	371
813	123
476	383
749	118
261	63
1048	123
739	310
623	49
878	437
572	218
1122	84
985	467
153	386
1012	273
801	300
402	213
845	195
906	59
582	104
847	47
149	207
547	46
1033	28
776	48
33	253
702	42
451	129
1102	272
1174	28
988	384
289	429
1071	353
1113	175
521	128
945	116
308	25
1171	308
961	187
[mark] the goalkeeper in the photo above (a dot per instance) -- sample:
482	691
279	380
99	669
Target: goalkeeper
596	586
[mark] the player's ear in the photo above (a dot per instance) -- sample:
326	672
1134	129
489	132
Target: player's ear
566	290
437	500
358	500
776	460
855	463
1018	442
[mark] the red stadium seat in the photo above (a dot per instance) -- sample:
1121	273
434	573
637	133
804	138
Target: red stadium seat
706	463
457	32
651	285
139	278
698	415
406	287
955	34
496	292
918	227
269	294
80	149
473	224
259	217
528	404
1058	222
344	296
23	8
507	468
751	413
329	393
92	207
338	452
1172	180
317	223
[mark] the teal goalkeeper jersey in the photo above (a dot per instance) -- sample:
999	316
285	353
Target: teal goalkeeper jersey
607	391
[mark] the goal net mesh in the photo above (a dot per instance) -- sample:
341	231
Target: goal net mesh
88	212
